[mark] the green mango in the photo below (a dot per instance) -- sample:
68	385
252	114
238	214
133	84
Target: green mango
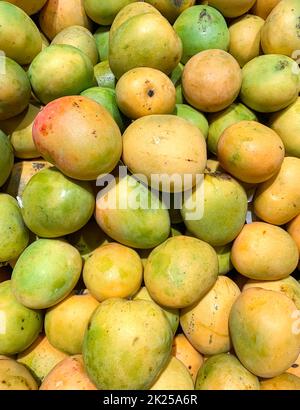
104	76
55	205
127	344
19	325
45	273
201	28
14	234
104	12
101	37
193	116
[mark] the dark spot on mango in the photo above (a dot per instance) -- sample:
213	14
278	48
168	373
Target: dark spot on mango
295	365
178	3
150	93
281	65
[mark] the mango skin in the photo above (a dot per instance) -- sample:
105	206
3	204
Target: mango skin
288	286
205	324
14	234
20	325
265	347
113	271
171	9
174	376
284	381
101	37
225	372
144	229
187	354
201	28
19	128
232	8
171	314
287	125
263	8
145	40
19	37
220	121
81	38
59	14
284	18
15	376
55	205
6	158
41	357
276	201
176	275
107	98
29	6
14	89
104	12
253	252
231	211
70	70
45	273
82	152
69	374
193	116
223	254
127	344
270	83
294	230
104	76
66	322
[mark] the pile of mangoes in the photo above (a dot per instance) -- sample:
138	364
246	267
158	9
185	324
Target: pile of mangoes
103	283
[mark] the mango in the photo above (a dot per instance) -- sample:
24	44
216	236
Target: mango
116	214
187	354
171	314
294	230
205	324
41	357
171	9
101	37
104	12
59	14
289	286
276	201
245	38
66	322
70	70
19	325
284	381
85	152
107	98
250	151
21	175
45	273
69	374
113	271
295	368
20	39
193	116
224	255
211	80
176	275
218	122
127	344
253	252
270	83
14	234
55	205
81	38
15	376
219	198
104	76
225	372
144	40
287	125
14	88
19	129
165	148
283	19
265	346
263	8
29	6
232	8
6	158
174	376
201	28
